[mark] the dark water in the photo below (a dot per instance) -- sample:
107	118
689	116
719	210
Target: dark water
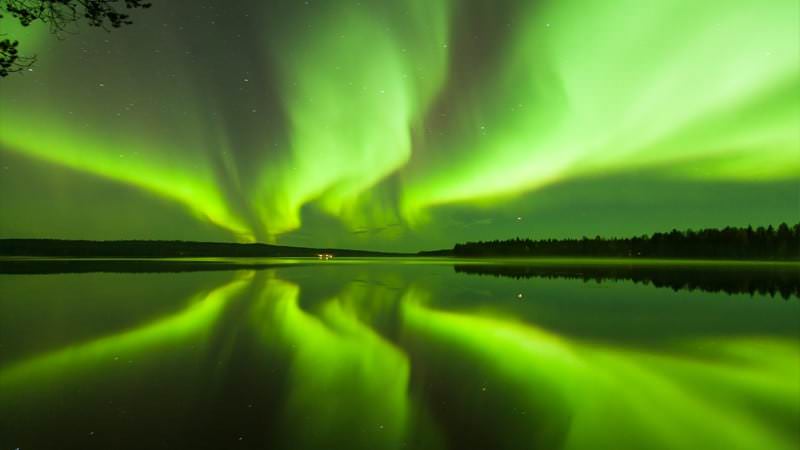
398	354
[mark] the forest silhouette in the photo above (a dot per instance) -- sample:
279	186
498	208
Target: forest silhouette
762	243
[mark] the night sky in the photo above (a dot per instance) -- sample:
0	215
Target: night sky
405	124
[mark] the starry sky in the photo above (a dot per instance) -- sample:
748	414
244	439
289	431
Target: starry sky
405	124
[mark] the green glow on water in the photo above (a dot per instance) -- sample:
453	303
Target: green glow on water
329	353
364	357
612	398
83	359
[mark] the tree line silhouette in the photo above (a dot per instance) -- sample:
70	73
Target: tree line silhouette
782	281
770	243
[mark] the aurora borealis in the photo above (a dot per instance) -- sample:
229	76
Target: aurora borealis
406	124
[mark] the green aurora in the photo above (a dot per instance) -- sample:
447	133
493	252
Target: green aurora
406	124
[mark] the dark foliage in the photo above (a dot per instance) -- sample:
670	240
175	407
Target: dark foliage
159	249
781	243
783	281
58	15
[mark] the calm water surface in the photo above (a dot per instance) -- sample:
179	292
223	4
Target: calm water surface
398	354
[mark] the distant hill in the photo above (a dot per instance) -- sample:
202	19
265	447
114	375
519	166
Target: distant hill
162	249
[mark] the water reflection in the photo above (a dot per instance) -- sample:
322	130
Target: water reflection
390	357
779	279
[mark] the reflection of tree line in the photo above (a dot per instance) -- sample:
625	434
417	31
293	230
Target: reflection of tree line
782	243
784	281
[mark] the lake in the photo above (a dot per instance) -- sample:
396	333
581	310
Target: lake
399	354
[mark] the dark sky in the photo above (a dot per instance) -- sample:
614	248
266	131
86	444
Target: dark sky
405	124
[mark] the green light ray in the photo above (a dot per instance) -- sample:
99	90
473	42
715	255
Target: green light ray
353	89
600	87
132	162
360	113
159	151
